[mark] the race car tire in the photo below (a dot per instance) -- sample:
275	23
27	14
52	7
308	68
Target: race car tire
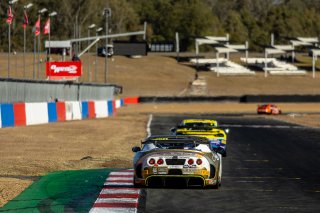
214	186
137	185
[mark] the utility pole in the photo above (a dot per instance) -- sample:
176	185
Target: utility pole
107	13
25	8
39	40
89	28
96	62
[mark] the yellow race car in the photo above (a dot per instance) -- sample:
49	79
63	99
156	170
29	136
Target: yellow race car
204	128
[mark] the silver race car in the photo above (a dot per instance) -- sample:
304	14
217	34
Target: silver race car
171	160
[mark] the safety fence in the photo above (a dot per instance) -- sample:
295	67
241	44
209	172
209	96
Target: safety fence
25	114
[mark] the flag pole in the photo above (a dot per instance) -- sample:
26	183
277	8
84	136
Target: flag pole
9	51
9	21
34	56
25	24
49	38
39	43
39	39
24	52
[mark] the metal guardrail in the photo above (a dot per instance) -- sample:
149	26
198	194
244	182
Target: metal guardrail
16	90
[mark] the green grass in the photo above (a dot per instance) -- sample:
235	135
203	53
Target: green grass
66	191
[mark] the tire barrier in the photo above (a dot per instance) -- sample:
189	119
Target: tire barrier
237	99
149	99
25	114
280	99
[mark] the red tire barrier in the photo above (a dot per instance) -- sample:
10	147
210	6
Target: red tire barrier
131	100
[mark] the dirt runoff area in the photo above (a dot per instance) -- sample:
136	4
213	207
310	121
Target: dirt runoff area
29	152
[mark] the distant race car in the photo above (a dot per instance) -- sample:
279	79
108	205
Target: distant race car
174	160
204	128
269	109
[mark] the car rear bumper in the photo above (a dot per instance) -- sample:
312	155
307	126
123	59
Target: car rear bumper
176	180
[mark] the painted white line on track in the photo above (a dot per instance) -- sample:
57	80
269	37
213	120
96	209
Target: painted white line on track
149	125
122	173
264	161
119	191
261	168
117	184
113	210
117	200
120	178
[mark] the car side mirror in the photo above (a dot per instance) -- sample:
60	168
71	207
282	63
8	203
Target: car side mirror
227	131
136	149
173	129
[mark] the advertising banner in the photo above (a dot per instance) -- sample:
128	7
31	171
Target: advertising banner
63	70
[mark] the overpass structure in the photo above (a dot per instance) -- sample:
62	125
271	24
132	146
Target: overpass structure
67	44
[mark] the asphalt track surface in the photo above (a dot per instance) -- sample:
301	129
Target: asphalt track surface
271	166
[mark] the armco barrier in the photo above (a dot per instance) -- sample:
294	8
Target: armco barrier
119	103
111	107
22	114
37	113
19	110
7	115
101	109
52	112
73	110
84	110
91	112
0	117
61	111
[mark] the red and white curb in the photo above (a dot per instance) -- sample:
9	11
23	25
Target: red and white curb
118	194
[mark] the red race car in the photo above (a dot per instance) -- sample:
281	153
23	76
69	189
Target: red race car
269	109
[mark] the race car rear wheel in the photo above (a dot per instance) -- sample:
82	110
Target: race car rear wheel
213	186
136	185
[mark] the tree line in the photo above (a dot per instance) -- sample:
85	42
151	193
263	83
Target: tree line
252	20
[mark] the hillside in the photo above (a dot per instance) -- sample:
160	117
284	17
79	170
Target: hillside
162	75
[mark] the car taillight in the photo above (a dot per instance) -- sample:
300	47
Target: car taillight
199	161
190	161
152	161
160	161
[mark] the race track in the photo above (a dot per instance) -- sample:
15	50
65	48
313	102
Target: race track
271	166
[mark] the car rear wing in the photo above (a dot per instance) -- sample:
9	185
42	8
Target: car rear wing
176	139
